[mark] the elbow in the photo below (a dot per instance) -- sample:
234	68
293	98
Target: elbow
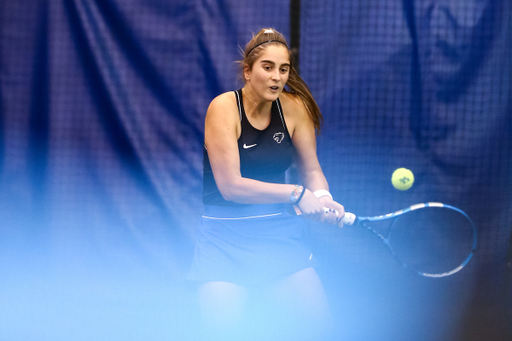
232	188
227	195
228	192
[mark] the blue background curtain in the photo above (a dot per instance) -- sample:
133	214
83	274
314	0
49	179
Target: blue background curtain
102	111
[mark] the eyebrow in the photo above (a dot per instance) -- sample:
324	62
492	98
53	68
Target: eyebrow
271	62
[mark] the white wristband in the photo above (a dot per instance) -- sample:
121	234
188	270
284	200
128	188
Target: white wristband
322	193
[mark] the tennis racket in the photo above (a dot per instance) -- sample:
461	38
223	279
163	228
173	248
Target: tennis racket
432	239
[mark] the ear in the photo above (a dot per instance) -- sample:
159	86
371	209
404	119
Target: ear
247	72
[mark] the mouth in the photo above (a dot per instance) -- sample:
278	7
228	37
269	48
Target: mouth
274	88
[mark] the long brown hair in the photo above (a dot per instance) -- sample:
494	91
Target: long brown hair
295	84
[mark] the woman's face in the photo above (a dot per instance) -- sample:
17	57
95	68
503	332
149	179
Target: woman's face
269	73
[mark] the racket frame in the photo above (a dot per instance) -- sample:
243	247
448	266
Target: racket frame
361	222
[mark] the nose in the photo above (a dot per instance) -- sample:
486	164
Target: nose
276	75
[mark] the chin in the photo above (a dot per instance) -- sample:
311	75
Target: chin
273	96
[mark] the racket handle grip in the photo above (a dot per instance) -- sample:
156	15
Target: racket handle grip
348	218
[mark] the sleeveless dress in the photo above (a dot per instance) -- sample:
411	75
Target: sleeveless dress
251	244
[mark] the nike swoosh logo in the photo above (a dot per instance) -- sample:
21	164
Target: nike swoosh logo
250	146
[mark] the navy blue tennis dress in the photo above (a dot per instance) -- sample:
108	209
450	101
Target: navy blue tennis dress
251	244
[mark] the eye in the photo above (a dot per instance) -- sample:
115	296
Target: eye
284	70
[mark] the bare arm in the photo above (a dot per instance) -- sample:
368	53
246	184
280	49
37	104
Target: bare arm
304	140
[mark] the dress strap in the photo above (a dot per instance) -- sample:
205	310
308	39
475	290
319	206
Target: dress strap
239	102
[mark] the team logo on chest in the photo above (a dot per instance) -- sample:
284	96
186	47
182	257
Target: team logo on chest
278	137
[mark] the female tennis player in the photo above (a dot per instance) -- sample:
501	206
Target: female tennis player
250	249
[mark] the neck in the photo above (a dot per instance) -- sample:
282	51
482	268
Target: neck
253	105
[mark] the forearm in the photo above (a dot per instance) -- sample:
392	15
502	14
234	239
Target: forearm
249	191
314	180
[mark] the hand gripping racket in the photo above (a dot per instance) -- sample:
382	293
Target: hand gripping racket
432	239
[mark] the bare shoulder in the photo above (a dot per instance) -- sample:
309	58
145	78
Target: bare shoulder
222	117
224	101
295	112
293	103
223	107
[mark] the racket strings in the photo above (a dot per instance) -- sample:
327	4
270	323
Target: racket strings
432	240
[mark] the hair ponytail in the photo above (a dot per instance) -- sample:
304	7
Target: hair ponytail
299	88
295	83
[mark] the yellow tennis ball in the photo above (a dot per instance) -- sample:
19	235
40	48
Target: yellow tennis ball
402	179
